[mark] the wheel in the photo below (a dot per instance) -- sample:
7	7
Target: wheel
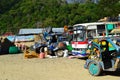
59	53
94	68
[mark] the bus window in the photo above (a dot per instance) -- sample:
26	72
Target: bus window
91	34
100	29
79	36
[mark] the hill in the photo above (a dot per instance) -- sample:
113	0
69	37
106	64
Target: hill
16	14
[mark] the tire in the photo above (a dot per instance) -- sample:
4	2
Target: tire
94	68
59	53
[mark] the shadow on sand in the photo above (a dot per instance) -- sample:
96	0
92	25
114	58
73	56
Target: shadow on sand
112	73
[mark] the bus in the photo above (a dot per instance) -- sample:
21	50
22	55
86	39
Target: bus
85	32
79	41
98	29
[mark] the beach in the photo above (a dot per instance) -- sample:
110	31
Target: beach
16	67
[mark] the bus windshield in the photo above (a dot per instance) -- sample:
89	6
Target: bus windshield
79	33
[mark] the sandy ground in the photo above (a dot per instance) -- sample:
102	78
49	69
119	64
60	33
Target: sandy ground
15	67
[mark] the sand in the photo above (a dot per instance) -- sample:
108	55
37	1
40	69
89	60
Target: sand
15	67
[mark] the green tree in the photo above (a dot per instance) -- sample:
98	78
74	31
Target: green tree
16	14
108	7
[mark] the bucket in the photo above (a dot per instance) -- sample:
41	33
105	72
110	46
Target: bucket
13	50
42	55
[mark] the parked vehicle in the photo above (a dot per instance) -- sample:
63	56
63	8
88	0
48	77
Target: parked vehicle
56	43
79	41
103	55
85	32
96	29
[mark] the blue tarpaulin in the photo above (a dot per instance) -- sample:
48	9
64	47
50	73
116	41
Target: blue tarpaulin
21	38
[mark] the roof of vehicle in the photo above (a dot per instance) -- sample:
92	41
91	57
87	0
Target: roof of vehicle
94	23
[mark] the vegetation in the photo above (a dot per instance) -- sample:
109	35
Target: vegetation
16	14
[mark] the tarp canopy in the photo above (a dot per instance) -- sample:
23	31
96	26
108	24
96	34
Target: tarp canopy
61	30
115	31
30	31
38	31
21	38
